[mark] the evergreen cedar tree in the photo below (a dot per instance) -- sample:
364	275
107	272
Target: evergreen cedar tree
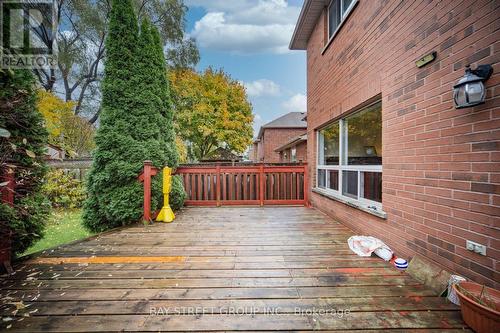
22	152
136	124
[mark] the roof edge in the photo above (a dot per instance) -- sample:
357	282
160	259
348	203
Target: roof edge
298	26
296	140
278	122
261	131
308	19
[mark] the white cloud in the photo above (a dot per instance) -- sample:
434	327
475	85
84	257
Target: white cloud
245	27
262	87
297	103
257	123
218	5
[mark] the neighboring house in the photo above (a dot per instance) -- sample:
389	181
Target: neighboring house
275	134
253	151
294	150
54	152
389	154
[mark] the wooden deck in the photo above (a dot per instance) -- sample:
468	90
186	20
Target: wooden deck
220	269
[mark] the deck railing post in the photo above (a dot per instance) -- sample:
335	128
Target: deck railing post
219	178
262	184
147	190
8	190
7	197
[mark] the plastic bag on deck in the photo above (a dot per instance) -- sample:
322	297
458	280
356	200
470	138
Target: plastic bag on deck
364	246
452	295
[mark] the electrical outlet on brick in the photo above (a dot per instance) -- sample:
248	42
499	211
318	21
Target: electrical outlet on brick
476	247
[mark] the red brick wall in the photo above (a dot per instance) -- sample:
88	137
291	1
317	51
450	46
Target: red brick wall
253	152
301	151
260	151
274	138
441	170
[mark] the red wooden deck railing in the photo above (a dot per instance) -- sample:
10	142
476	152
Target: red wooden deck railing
7	197
245	185
146	178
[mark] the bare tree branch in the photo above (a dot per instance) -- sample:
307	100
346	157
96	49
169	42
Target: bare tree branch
82	35
95	117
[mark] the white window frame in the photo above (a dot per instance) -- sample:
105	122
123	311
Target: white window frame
293	154
343	166
344	12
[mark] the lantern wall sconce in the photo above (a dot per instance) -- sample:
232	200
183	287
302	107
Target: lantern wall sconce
469	90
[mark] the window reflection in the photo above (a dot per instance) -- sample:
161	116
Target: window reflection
350	156
329	145
322	178
350	184
333	180
371	186
364	137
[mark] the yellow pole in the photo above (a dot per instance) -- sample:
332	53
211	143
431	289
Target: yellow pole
166	214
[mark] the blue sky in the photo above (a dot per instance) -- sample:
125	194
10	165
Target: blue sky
249	40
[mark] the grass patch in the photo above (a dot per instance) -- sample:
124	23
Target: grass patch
64	226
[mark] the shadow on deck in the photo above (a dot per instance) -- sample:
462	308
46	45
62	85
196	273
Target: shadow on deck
220	269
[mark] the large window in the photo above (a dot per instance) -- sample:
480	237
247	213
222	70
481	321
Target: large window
337	11
350	157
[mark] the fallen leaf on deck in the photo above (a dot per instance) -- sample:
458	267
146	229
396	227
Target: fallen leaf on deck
19	305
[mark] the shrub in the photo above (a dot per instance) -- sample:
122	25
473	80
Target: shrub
177	193
22	147
63	191
29	222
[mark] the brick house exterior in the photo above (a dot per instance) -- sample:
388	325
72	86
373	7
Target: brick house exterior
441	165
253	151
275	134
294	151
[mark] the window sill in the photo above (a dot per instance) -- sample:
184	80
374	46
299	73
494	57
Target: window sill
353	5
351	203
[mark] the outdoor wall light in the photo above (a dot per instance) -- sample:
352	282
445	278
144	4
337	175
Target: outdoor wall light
469	90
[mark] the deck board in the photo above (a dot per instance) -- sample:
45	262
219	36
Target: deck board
276	263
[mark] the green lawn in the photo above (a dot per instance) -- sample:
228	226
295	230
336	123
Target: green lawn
64	226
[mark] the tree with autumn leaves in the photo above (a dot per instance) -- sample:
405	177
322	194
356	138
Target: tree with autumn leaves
140	106
71	132
211	110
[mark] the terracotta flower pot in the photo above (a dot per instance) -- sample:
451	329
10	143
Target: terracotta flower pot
482	318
